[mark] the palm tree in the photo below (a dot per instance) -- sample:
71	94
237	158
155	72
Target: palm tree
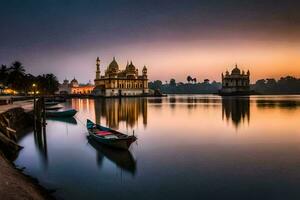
189	79
17	67
17	76
3	74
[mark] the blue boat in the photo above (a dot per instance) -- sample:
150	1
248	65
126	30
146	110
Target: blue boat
109	136
62	113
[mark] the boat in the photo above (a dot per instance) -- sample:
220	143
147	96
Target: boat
68	120
122	158
61	113
109	136
52	103
53	107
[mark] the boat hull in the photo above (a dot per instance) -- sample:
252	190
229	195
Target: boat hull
67	113
116	143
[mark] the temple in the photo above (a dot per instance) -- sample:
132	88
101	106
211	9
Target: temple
116	82
236	83
74	87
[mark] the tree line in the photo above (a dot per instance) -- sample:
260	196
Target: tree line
285	85
191	87
16	78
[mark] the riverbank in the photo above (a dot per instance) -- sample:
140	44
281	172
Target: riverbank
13	183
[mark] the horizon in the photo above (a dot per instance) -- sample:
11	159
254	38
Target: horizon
173	39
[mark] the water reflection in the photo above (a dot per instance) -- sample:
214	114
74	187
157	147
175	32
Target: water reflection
40	139
123	159
68	120
277	103
180	146
236	109
115	111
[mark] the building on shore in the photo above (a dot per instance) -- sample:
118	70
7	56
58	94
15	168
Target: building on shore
74	87
236	82
117	82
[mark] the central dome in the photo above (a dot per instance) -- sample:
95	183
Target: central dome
113	66
236	70
130	67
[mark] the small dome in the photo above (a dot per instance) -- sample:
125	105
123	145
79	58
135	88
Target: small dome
74	80
130	67
236	70
113	66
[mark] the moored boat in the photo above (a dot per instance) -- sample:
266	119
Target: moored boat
52	103
109	136
62	113
53	107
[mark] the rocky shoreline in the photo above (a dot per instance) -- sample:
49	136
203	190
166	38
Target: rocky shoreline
13	183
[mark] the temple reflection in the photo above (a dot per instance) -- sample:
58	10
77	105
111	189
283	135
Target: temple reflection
236	109
128	110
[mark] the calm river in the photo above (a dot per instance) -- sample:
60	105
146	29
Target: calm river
188	147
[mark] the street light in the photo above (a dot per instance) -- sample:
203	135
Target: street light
34	101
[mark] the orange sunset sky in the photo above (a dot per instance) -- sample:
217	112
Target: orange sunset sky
172	38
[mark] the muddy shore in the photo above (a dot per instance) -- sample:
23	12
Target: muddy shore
13	183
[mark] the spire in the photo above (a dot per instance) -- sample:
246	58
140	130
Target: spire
98	68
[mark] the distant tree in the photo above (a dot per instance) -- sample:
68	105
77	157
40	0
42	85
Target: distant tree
47	83
4	71
172	82
194	80
155	85
189	79
29	79
206	81
16	76
17	67
261	82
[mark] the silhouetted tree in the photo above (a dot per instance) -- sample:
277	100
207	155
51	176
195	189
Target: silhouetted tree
4	71
155	85
47	83
189	79
172	82
16	76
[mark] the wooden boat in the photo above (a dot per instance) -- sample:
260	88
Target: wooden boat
68	120
62	113
109	136
52	103
53	107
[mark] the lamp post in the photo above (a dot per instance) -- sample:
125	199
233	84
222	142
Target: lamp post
34	100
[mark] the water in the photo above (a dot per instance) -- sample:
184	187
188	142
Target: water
188	147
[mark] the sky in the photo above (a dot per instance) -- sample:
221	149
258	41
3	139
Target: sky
173	38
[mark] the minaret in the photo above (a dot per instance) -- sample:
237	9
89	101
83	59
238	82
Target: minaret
98	68
144	71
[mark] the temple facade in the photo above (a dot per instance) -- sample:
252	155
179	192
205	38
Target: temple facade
74	87
117	82
236	82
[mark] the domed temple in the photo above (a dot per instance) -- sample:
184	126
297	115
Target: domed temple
236	82
116	82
